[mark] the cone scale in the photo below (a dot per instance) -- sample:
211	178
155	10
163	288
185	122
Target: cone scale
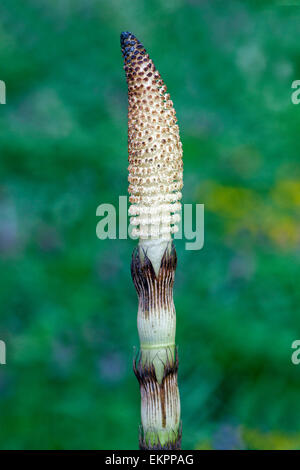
155	182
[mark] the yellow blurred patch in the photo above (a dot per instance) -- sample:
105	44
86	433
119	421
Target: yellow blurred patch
274	440
286	193
230	201
285	232
205	445
254	439
244	210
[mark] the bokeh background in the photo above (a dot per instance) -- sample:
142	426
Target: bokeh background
68	305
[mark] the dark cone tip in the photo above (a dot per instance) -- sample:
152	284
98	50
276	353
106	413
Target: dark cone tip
131	47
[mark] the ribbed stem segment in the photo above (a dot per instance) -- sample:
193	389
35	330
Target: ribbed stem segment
157	363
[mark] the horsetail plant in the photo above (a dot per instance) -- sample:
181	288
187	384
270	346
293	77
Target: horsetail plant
155	182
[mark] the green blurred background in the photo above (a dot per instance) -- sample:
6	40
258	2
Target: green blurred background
68	305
